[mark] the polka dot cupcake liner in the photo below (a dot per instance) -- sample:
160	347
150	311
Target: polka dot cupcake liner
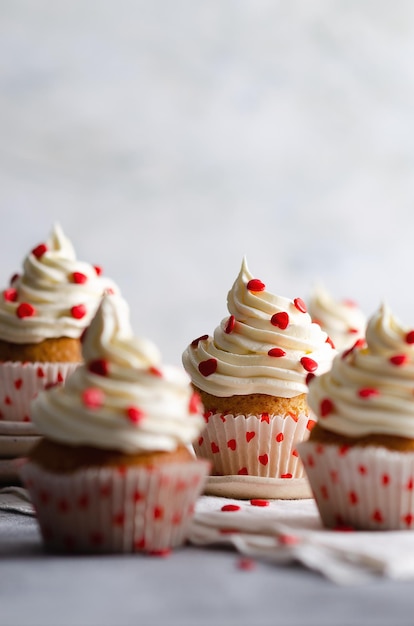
21	382
366	488
256	445
115	510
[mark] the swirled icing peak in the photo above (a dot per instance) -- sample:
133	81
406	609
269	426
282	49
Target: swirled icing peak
268	344
370	388
121	398
343	321
55	296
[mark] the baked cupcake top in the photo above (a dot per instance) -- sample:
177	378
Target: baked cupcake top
55	296
342	320
370	388
121	398
267	345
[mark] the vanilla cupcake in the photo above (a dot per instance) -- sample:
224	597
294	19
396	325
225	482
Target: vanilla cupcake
113	472
43	313
360	456
252	379
343	321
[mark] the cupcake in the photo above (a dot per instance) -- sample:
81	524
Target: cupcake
113	472
43	313
252	379
360	455
343	320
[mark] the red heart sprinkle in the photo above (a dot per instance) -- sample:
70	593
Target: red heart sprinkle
362	470
408	519
243	472
195	405
79	278
59	378
206	368
134	414
93	398
155	371
18	383
300	305
214	448
399	359
40	373
200	441
98	269
100	367
10	295
8	400
258	502
255	285
263	459
343	450
309	364
265	418
230	507
377	516
25	310
118	519
280	437
276	352
195	342
368	392
78	311
250	435
158	512
281	320
230	324
231	444
326	407
295	452
39	250
410	484
385	479
324	492
353	498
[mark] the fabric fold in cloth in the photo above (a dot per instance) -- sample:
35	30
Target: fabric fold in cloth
288	531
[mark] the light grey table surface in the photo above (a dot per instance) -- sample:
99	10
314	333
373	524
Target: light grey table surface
193	586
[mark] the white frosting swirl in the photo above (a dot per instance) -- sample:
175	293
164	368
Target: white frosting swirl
343	321
370	389
241	357
52	283
140	405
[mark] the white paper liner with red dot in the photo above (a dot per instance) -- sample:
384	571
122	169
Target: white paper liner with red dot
254	445
367	488
113	510
21	382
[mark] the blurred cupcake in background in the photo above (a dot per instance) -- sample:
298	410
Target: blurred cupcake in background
360	455
342	320
113	472
252	378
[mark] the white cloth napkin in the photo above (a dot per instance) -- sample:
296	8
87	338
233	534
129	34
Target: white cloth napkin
289	531
283	532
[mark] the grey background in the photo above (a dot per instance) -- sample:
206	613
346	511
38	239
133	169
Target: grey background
171	138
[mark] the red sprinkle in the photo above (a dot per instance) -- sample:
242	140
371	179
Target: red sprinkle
14	277
99	367
98	269
288	540
195	342
25	310
206	368
309	364
93	398
276	352
279	437
399	359
79	278
409	338
309	377
255	285
258	502
135	415
300	305
230	324
78	311
155	371
353	331
281	320
230	507
243	472
326	407
10	295
331	343
368	392
39	250
195	405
